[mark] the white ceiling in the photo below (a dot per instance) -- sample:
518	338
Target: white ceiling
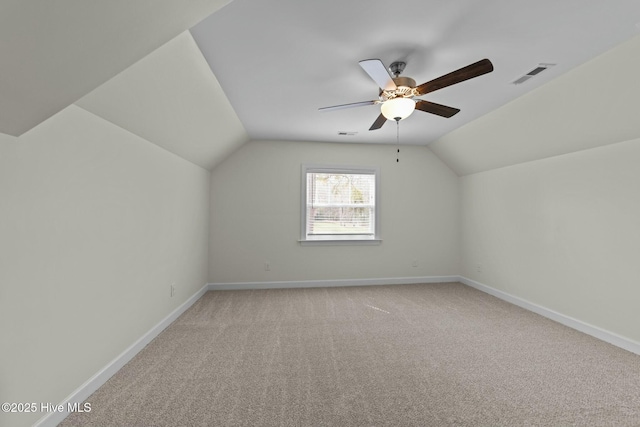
278	61
54	52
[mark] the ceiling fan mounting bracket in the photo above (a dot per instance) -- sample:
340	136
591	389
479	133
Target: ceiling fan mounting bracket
397	68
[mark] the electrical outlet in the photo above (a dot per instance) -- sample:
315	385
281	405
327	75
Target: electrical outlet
479	267
415	263
172	290
267	266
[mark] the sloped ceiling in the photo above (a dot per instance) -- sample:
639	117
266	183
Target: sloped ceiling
593	105
171	98
55	52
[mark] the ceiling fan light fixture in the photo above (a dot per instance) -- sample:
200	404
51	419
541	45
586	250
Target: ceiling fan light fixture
398	108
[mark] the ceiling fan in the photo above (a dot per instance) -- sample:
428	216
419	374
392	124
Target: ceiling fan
397	94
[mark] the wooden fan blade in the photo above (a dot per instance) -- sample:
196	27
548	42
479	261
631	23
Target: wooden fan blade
377	71
378	123
437	109
465	73
343	106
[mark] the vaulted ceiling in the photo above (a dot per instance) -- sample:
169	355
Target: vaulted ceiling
260	69
172	99
55	52
590	106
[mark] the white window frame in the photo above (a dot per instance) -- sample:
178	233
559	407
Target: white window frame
339	239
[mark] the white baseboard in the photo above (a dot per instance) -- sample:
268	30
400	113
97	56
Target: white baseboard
594	331
92	384
330	283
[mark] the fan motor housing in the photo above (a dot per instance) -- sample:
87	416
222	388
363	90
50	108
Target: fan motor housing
404	81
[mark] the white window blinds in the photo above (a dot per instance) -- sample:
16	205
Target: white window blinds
340	204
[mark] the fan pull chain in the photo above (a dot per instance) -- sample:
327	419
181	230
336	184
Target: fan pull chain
398	140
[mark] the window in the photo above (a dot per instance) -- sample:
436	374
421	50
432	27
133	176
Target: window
340	204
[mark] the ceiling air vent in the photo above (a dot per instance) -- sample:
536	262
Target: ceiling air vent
345	133
540	68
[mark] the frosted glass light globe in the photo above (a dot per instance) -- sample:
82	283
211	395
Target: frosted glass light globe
398	108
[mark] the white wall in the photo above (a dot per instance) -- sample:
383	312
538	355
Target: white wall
95	224
563	233
255	215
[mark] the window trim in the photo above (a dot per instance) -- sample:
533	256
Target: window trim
346	239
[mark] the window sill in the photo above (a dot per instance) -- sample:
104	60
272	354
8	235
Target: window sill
340	242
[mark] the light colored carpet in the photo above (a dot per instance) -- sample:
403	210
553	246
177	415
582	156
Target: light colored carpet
410	355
